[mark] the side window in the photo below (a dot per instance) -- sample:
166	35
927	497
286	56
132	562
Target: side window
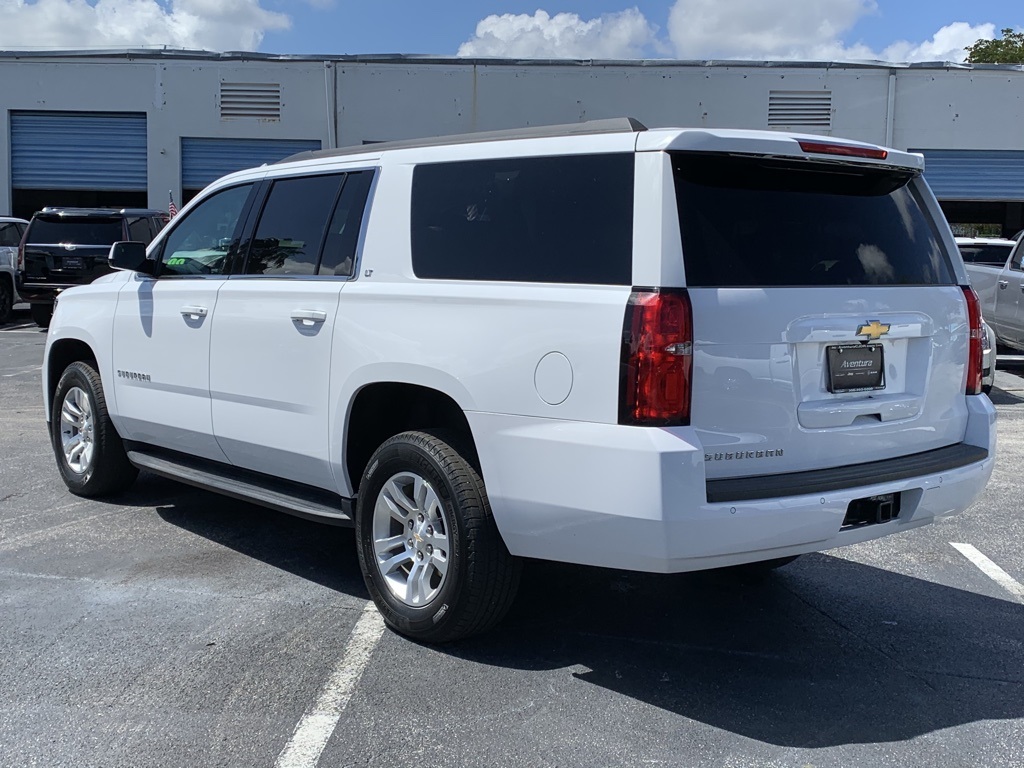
138	230
202	241
536	219
291	228
1018	254
343	231
10	234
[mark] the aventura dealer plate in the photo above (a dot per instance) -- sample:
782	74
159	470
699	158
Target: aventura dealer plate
855	367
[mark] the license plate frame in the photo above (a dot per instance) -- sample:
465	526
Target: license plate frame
855	367
72	262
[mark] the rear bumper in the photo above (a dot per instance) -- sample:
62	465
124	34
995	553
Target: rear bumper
636	498
40	293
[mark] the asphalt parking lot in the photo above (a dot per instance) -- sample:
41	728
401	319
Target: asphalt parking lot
172	627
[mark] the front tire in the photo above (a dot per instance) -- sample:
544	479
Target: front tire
90	454
41	314
429	549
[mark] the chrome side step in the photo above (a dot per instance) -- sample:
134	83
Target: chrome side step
284	496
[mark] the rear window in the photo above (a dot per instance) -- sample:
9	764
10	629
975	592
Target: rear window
565	219
762	222
993	255
77	231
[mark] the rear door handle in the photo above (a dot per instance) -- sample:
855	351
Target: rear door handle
1003	283
309	316
194	312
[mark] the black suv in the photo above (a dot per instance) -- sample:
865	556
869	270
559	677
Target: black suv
65	247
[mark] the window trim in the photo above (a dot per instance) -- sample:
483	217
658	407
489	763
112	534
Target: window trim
238	270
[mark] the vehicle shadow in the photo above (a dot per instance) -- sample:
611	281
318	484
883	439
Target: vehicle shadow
824	652
319	553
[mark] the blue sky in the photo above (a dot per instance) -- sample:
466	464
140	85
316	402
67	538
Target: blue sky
895	30
418	26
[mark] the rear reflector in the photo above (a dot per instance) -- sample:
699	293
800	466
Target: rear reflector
975	359
657	359
846	150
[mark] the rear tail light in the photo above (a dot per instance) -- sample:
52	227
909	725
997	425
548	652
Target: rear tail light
974	360
844	150
657	359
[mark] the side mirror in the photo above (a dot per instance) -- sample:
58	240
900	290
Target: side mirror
131	256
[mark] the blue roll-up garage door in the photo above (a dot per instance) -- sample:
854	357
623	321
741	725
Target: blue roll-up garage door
957	174
205	160
78	150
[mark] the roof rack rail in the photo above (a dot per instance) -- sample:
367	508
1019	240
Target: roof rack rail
610	125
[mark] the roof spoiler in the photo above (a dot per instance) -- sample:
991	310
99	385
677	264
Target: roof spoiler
610	125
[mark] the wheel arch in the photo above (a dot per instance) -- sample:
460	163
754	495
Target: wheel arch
379	410
61	354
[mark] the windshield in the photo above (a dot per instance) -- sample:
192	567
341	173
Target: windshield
748	221
77	231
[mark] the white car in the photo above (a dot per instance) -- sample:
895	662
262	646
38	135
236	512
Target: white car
995	271
658	350
11	231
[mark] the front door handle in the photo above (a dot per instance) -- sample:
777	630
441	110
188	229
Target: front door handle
309	316
194	312
1003	283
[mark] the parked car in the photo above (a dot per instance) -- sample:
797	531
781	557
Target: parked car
991	251
1000	288
11	231
988	360
65	247
554	343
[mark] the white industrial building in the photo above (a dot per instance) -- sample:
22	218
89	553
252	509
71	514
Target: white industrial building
125	127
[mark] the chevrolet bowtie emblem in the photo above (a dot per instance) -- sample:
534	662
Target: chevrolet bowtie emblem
873	330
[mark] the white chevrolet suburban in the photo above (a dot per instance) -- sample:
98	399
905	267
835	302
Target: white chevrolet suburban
658	350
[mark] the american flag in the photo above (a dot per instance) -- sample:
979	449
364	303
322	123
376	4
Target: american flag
172	209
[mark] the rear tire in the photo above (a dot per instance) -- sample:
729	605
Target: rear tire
758	571
6	299
90	454
41	314
430	552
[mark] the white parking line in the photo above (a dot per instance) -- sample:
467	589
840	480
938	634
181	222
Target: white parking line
990	569
307	743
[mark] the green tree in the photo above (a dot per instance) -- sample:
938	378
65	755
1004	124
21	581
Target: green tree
1009	50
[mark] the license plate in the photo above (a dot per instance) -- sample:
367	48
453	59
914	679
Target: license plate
72	262
855	367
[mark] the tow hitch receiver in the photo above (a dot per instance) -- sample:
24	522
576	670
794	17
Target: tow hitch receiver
871	510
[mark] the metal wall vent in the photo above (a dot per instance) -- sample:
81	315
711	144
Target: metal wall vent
807	109
261	101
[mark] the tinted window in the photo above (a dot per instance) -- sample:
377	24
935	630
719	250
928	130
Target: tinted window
761	222
78	231
138	230
993	255
1018	254
343	232
292	226
547	219
202	241
10	234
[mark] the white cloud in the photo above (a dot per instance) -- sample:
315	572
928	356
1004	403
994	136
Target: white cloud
947	44
211	24
799	29
624	35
